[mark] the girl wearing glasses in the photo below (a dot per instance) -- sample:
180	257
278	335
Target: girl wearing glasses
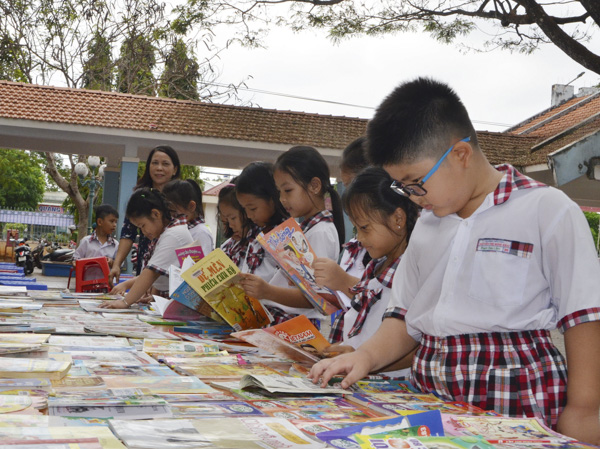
384	222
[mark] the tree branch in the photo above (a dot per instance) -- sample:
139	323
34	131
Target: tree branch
560	38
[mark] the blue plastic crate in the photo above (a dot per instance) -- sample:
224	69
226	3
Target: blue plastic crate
56	269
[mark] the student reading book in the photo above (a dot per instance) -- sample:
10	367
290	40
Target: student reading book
217	280
495	262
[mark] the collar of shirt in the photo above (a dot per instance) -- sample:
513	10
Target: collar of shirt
325	216
354	248
512	180
109	239
195	222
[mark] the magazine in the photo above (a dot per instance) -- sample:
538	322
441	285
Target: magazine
286	384
193	250
216	279
417	442
345	437
41	368
296	339
289	247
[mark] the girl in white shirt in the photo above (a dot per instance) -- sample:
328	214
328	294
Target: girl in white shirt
257	194
384	222
147	209
235	224
354	258
302	177
185	200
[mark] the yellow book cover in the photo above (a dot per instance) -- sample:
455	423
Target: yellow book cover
217	280
44	368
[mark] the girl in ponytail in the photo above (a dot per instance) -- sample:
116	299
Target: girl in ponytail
302	175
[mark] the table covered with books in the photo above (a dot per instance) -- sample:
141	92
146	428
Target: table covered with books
76	376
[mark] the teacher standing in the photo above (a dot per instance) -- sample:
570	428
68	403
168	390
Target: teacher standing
162	166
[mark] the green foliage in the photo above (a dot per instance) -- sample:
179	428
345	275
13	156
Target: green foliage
135	66
10	55
594	221
98	68
22	181
181	74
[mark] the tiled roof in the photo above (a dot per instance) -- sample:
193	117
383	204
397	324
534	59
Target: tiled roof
214	191
501	148
134	112
555	120
151	114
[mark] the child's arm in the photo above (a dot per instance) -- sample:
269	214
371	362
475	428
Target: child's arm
141	285
257	287
121	288
331	275
579	418
374	354
123	249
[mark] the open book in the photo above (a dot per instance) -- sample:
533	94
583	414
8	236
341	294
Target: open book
296	339
216	279
289	247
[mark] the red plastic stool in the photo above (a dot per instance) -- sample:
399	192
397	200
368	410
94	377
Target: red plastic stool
99	285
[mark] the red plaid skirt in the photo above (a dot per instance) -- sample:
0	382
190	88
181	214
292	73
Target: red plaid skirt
520	374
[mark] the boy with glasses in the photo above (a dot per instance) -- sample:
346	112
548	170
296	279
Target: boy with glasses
495	262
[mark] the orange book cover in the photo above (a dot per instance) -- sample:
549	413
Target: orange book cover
296	339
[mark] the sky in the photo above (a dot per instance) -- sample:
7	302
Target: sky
499	88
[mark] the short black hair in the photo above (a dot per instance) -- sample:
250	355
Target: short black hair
144	200
104	210
354	156
369	195
180	192
420	118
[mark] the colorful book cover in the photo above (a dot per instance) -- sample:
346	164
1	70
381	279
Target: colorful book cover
501	429
416	442
193	250
296	339
185	296
289	247
217	280
345	437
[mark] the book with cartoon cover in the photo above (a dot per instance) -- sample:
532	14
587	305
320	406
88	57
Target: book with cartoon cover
193	250
217	280
296	339
289	247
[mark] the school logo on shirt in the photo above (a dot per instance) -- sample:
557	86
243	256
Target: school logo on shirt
515	248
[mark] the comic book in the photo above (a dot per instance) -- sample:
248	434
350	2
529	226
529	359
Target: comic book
40	368
296	339
418	442
217	280
289	247
193	250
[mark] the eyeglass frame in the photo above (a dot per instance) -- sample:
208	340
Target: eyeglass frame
408	189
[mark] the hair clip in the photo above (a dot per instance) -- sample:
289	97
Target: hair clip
143	195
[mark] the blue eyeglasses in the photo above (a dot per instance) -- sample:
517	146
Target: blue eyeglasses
417	189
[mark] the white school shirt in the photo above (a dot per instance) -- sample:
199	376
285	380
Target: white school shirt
90	246
266	270
164	253
324	241
460	276
201	233
356	270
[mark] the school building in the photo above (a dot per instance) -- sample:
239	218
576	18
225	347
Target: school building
559	146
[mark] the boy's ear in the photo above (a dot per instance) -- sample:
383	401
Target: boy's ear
463	151
315	186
